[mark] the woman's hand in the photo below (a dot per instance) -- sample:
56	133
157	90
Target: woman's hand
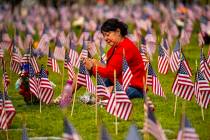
88	63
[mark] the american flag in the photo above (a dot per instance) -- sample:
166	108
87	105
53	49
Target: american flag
43	45
84	78
69	67
152	80
45	88
6	80
202	90
29	58
186	65
186	131
102	90
163	61
73	55
59	52
84	52
119	103
69	131
183	86
33	82
166	47
151	125
184	38
175	57
204	67
7	111
126	74
52	62
103	55
144	57
15	60
24	134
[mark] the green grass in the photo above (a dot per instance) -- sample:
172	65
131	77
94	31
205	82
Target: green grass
50	121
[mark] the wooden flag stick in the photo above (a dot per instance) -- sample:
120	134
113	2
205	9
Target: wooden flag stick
196	64
116	127
75	90
175	105
96	117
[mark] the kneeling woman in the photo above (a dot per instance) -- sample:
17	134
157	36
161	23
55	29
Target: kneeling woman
114	32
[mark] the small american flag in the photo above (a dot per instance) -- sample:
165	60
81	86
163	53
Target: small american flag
69	67
119	103
73	55
151	125
84	78
186	132
204	67
69	131
59	52
175	57
152	80
6	81
126	74
163	61
102	90
183	86
15	60
184	38
33	82
144	57
84	52
186	65
7	111
52	62
103	55
202	90
45	88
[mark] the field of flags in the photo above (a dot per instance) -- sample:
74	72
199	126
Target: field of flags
48	45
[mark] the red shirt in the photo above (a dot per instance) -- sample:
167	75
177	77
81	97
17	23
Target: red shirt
114	61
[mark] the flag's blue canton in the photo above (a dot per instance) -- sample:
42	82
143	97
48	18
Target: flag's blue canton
43	74
165	44
58	43
31	71
82	69
118	86
161	51
151	71
200	76
100	81
125	65
182	69
84	45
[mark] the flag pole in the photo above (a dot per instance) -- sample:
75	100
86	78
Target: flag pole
75	90
96	117
175	104
116	127
3	83
196	64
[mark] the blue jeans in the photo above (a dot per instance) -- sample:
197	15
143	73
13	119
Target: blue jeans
131	91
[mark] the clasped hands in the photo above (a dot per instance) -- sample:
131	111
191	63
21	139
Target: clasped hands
89	63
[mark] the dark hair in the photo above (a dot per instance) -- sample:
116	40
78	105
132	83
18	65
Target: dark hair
113	24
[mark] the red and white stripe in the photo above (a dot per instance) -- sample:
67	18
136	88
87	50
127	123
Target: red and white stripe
127	76
175	61
34	64
74	58
205	69
34	86
119	105
46	90
163	64
156	87
183	86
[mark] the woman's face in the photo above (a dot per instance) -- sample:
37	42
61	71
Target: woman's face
111	37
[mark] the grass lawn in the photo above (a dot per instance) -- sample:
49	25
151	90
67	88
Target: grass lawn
50	121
